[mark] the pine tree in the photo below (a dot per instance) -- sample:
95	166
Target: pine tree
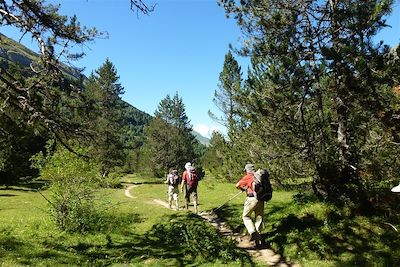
230	80
45	98
315	87
42	95
214	156
226	99
169	139
105	116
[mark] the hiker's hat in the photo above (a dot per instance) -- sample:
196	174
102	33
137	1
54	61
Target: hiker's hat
249	167
188	164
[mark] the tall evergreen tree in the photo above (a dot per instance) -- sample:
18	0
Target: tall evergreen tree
316	89
214	156
230	80
170	142
226	99
105	116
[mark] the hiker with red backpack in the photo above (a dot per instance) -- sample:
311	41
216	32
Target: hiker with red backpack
173	182
189	185
259	190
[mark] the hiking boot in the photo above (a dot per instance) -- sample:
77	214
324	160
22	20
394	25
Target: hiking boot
396	189
255	236
258	243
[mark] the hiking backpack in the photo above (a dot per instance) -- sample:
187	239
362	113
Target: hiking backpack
262	186
173	179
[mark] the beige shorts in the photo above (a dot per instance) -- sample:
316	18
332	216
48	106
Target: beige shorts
173	191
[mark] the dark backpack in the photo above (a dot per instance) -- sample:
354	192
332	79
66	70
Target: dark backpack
262	186
173	179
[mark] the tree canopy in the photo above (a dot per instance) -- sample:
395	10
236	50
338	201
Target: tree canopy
169	139
319	92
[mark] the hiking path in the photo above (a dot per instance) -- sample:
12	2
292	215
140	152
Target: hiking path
260	254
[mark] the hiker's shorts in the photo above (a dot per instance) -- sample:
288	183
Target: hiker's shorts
173	192
191	191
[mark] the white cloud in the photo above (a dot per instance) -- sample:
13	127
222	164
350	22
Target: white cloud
206	130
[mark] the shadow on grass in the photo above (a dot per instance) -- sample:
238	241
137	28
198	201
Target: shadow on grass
173	245
9	243
27	185
7	195
232	215
346	241
149	182
123	184
35	185
162	246
17	189
332	238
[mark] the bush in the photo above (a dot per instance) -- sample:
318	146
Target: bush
194	238
74	180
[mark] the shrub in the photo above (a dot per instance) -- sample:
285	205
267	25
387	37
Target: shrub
74	180
194	238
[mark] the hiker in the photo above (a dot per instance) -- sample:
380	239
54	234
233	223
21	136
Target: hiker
251	205
173	181
189	184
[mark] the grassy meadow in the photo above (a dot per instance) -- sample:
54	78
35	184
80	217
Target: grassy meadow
138	232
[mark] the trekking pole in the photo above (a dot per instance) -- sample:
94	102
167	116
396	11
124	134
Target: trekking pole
228	200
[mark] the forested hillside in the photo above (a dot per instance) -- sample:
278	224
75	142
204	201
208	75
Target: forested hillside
21	139
12	52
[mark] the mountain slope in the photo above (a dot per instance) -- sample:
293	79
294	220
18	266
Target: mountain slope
12	51
203	140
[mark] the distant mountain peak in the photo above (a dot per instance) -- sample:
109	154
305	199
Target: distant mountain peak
202	139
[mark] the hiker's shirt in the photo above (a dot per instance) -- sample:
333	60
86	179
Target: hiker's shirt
173	180
190	179
251	205
247	182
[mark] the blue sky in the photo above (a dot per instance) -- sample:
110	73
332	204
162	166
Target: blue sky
180	48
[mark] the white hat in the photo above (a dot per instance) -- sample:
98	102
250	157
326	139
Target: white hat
249	168
188	164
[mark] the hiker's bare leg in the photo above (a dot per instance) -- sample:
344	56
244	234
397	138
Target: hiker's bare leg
170	195
176	201
186	203
170	201
195	202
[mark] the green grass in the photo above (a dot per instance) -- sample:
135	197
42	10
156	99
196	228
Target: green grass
305	231
28	237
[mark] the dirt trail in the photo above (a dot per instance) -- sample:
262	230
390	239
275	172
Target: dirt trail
128	190
261	254
161	202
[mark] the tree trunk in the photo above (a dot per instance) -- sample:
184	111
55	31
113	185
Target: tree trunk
341	111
